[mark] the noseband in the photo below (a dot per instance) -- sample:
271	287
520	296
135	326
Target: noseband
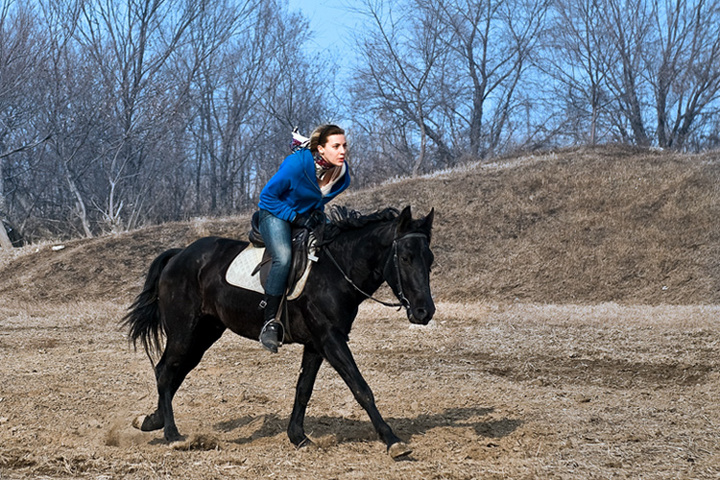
392	258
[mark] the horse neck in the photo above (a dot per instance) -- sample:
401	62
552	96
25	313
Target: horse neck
362	253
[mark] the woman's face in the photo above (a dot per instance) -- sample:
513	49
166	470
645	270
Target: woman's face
334	149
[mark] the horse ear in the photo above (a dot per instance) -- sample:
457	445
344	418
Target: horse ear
404	221
428	221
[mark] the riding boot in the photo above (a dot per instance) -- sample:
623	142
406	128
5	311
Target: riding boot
272	332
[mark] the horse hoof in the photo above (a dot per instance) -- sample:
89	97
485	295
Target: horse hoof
180	444
138	422
306	444
399	450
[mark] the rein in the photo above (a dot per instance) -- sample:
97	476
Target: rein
404	302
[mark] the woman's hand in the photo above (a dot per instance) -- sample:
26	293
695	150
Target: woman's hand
309	220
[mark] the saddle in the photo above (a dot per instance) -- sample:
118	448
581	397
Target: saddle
303	250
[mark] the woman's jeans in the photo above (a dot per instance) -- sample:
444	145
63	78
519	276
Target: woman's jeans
277	235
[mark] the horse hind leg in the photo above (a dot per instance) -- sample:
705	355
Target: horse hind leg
170	374
162	418
182	354
154	421
149	423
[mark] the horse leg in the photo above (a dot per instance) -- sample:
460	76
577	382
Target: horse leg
182	353
311	362
162	417
337	352
156	420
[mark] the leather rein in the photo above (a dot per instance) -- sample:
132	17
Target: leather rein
404	302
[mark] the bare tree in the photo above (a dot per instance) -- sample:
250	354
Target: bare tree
627	24
300	90
494	41
130	44
211	38
453	69
21	54
576	57
648	68
402	64
257	80
4	238
71	112
140	100
683	68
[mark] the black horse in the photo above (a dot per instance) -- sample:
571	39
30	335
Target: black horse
186	299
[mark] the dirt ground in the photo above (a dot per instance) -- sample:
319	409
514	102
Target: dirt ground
589	348
516	391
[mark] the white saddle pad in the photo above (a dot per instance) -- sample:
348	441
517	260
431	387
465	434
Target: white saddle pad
240	271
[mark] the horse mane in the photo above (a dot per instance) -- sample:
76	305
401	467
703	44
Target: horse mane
343	219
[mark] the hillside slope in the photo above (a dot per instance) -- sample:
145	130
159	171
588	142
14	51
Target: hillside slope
580	225
575	226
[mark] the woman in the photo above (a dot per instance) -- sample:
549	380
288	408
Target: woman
305	182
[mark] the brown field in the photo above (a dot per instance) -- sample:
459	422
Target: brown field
576	337
485	391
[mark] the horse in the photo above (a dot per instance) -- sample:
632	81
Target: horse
186	300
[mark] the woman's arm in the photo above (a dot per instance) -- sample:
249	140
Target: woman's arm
271	196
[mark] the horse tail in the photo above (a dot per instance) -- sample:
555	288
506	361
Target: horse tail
143	319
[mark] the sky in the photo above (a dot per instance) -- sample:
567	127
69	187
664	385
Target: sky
333	26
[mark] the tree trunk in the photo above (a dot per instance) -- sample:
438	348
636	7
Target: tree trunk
5	242
82	210
423	138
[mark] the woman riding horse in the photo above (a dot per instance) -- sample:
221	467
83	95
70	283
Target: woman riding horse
295	196
187	300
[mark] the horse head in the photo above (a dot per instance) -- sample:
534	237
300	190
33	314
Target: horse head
407	269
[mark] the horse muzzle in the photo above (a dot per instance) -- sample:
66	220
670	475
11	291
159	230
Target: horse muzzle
421	315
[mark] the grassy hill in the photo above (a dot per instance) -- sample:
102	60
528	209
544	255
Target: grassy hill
582	225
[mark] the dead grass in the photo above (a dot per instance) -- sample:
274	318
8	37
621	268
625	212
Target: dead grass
608	224
576	337
577	226
495	391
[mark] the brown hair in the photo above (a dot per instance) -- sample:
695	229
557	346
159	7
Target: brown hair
320	135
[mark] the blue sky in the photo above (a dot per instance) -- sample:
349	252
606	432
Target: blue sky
333	26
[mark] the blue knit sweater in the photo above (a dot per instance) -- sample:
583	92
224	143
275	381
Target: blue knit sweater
294	189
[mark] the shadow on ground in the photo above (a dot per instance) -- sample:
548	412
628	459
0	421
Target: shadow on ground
252	428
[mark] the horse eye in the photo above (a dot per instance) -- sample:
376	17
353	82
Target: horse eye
405	258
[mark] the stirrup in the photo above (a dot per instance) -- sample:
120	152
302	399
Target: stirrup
271	336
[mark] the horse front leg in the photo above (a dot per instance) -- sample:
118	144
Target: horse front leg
311	362
338	354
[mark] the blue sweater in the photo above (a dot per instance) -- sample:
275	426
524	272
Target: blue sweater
294	188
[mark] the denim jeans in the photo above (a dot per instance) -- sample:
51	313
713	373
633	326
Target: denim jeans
278	240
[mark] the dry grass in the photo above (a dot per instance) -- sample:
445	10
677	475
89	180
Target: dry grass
608	224
576	338
578	226
490	391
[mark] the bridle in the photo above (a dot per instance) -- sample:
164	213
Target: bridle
393	257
